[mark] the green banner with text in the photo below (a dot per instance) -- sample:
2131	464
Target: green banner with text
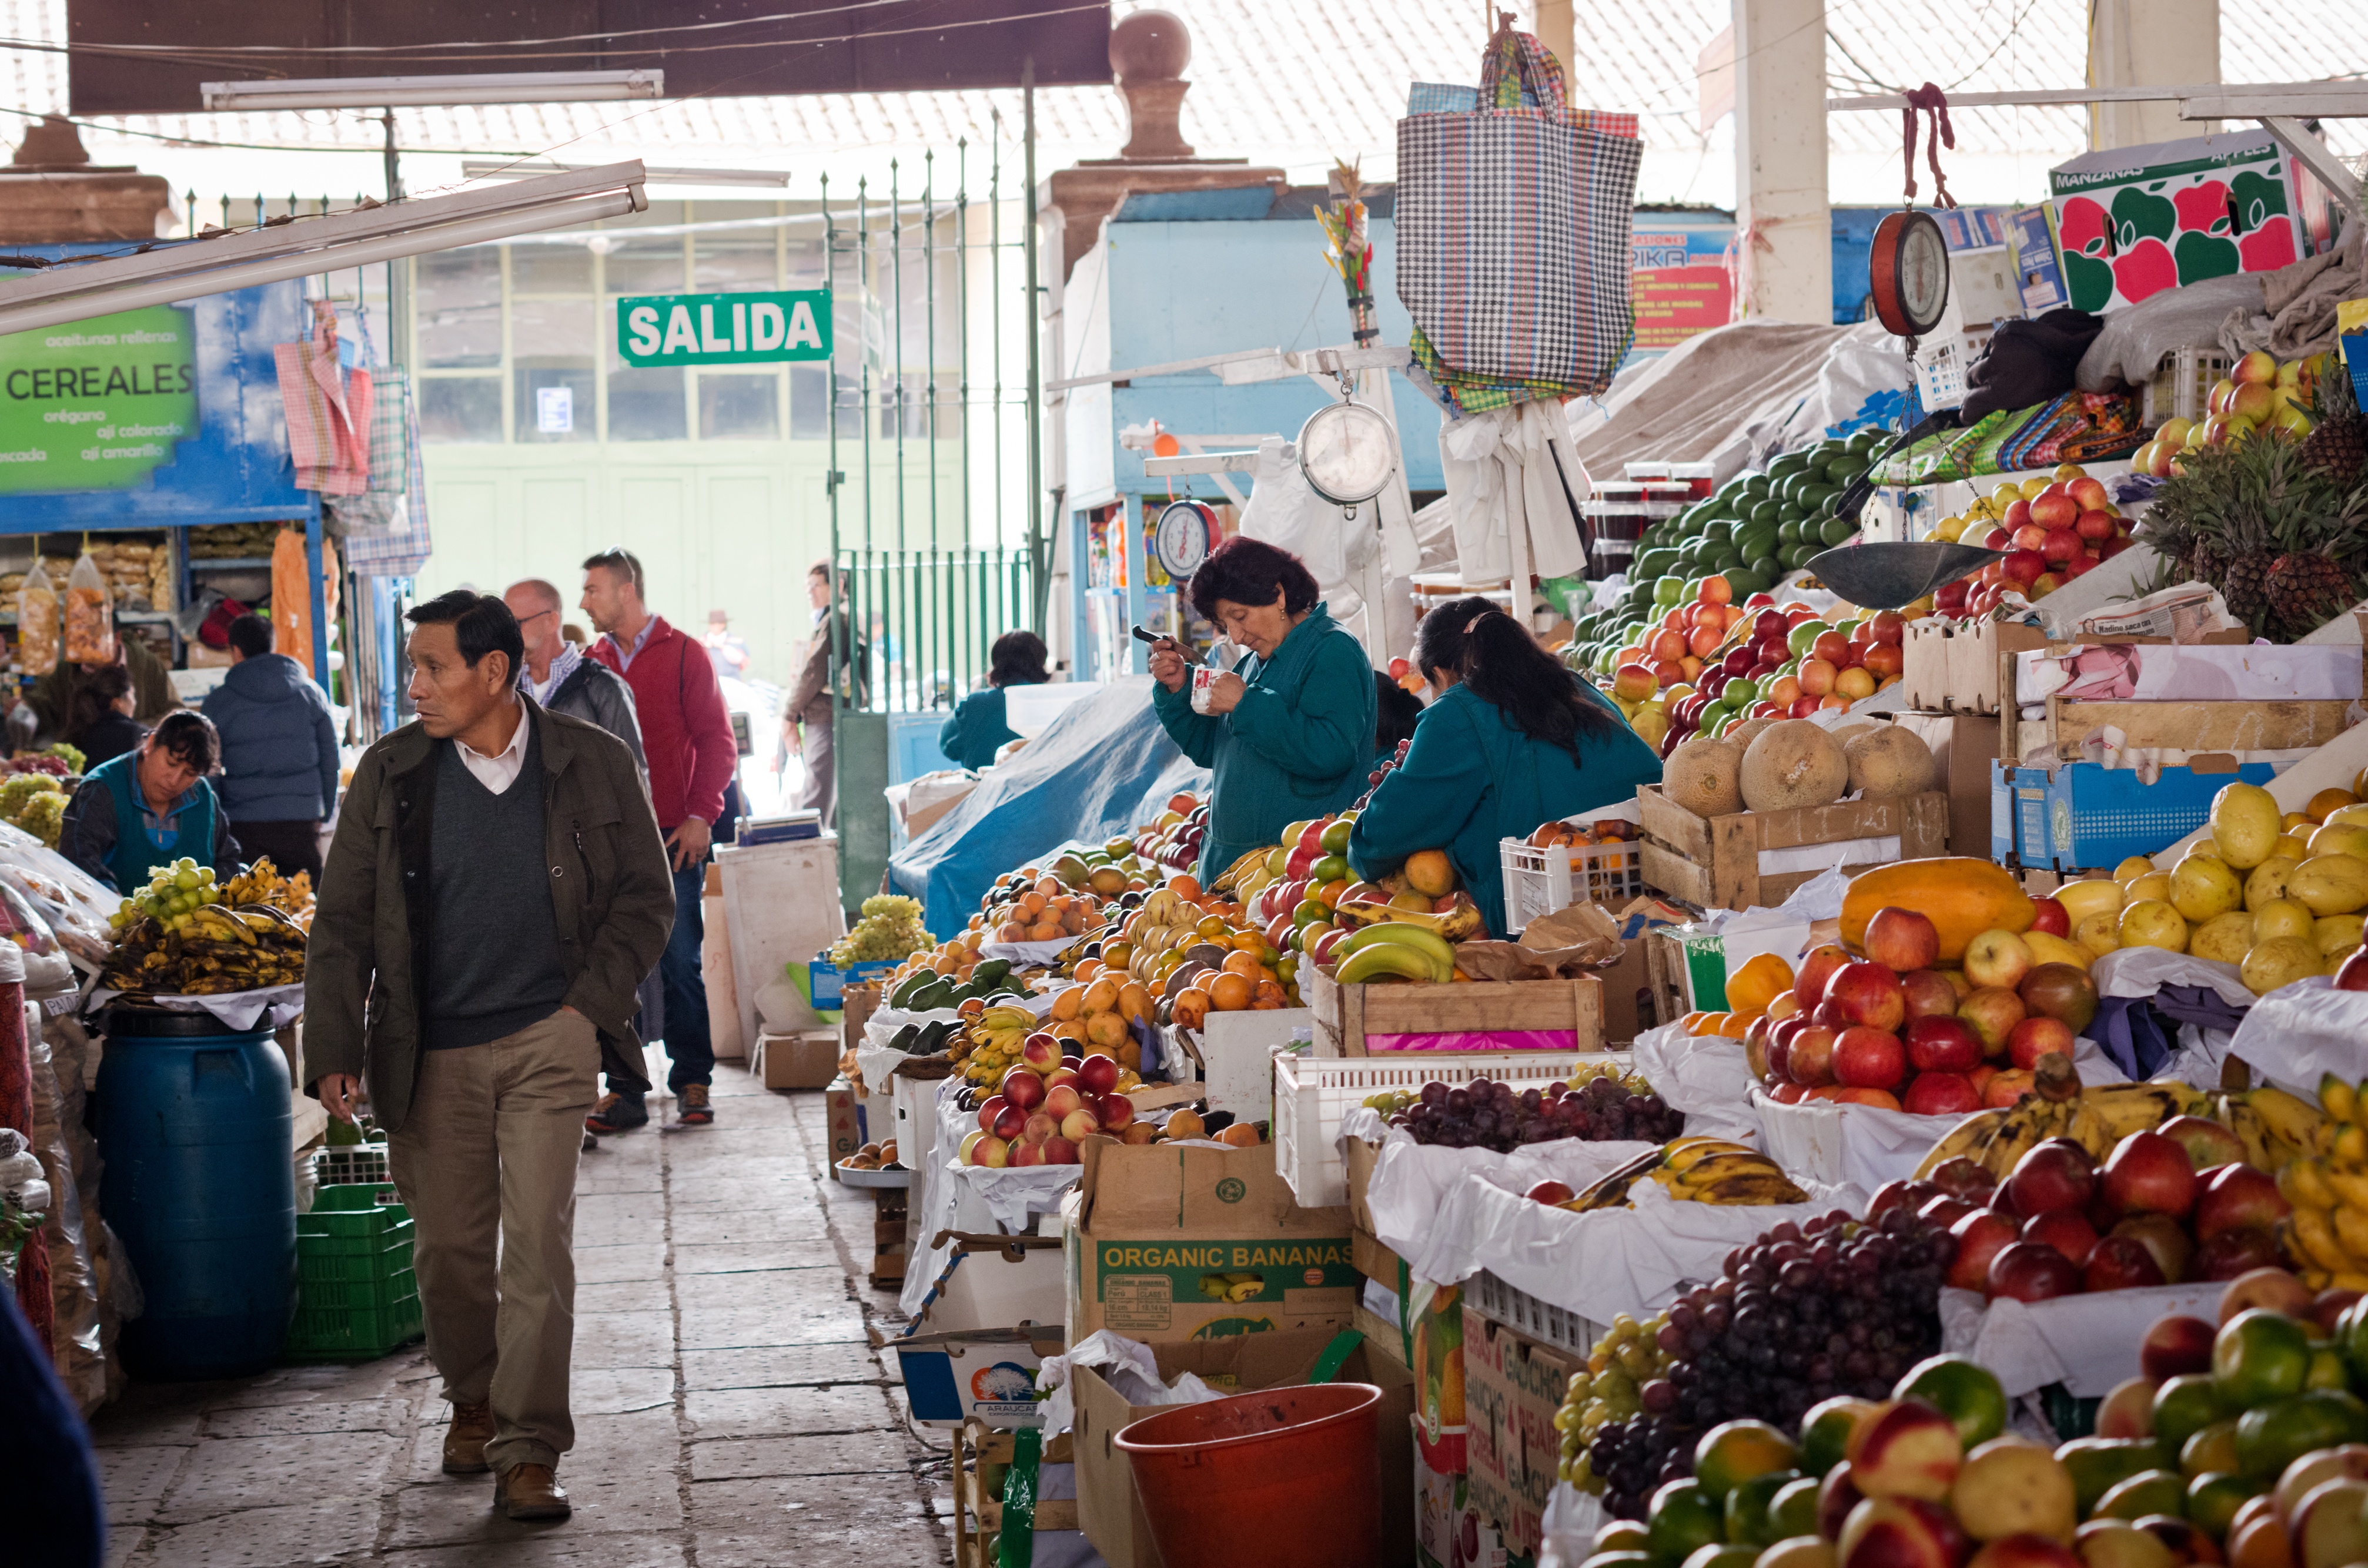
761	328
98	405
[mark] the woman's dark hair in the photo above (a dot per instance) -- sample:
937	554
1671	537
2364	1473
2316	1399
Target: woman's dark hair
96	698
480	624
1017	659
1395	709
1488	651
189	739
1249	573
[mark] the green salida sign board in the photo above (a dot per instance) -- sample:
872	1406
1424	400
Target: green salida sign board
761	328
98	404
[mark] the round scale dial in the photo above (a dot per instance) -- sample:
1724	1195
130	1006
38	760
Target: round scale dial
1179	538
1346	453
1910	269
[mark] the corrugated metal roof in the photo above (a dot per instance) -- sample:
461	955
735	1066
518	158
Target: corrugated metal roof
1299	83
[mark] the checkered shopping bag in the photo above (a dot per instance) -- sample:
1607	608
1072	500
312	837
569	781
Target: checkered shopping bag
1513	235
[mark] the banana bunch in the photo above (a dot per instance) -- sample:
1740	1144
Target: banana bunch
1394	949
1231	1286
1458	921
1246	875
212	950
989	1043
1700	1170
2325	1183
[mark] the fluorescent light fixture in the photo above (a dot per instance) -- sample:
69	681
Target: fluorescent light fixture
493	168
415	91
78	290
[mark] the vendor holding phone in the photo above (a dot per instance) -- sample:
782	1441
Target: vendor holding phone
1288	732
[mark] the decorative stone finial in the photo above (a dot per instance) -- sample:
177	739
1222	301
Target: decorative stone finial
1149	50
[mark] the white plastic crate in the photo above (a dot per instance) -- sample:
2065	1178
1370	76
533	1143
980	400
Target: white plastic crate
1313	1093
1539	881
2182	384
351	1164
1525	1313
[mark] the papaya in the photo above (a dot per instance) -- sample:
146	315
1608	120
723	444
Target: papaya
1962	896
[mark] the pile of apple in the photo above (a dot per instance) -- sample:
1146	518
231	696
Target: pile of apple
2052	530
1893	1029
2258	393
1780	663
2165	1208
1173	838
1047	1105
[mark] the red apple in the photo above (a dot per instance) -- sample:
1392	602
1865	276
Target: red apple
2053	509
1902	940
2163	1236
989	1110
2274	1290
1943	1212
1550	1193
2034	1037
1928	994
2030	1271
2351	974
2128	1410
1900	1194
2328	1305
2207	1141
1905	1449
2175	1347
1837	1495
1809	983
2119	1263
1059	1150
1023	1088
2054	1173
2060	547
1024	1153
1942	1044
2025	1551
1810	1061
2005	1088
1098	1074
1941	1093
2060	991
2234	1197
1867	1058
2051	918
1981	1237
2094	525
2068	1233
1992	1011
2238	1250
2149	1174
1869	994
1115	1113
1964	1176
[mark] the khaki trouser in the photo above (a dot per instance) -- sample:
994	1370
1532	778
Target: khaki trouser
488	1154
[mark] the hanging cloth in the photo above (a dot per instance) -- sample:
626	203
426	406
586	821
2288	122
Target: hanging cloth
329	409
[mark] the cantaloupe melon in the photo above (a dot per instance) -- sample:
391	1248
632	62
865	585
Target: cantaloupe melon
1791	765
1889	761
1700	775
1742	734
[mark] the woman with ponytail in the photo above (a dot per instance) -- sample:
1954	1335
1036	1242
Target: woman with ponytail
1511	740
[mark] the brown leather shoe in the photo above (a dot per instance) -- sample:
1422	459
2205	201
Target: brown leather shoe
694	1108
465	1439
530	1491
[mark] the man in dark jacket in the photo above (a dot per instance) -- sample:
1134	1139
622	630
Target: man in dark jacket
496	888
280	750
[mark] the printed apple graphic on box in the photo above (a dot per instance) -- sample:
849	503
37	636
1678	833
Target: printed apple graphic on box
2134	221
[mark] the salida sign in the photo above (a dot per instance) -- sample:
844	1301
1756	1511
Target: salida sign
761	328
96	405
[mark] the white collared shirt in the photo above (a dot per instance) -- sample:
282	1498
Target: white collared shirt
498	773
563	665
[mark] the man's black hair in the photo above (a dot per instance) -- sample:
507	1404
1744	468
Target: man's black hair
481	624
251	635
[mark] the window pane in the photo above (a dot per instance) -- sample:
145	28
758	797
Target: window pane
553	332
460	308
459	408
646	406
732	261
651	265
551	268
553	365
809	403
805	263
739	408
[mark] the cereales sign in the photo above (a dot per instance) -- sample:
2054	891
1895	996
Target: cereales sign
760	328
99	404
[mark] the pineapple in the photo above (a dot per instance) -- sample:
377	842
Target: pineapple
2276	535
2338	443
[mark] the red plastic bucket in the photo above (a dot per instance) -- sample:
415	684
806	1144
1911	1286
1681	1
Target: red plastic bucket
1283	1478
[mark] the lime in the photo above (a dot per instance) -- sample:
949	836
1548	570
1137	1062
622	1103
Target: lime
1968	1394
1623	1535
2183	1406
2259	1356
1735	1451
1825	1430
1748	1503
2212	1449
2148	1491
2097	1463
2214	1497
2272	1436
1683	1518
2327	1369
1794	1510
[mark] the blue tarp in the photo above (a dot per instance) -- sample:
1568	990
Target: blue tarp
1102	768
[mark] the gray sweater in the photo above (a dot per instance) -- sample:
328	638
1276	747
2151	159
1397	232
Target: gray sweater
497	966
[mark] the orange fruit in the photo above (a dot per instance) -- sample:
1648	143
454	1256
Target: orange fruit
1247	942
1240	1135
1711	1024
1750	989
1087	969
1694	1022
1191	1008
1733	1026
1185	887
1428	872
2328	801
1231	991
1240	962
1065	1004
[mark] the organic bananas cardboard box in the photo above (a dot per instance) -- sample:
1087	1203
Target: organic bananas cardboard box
1172	1241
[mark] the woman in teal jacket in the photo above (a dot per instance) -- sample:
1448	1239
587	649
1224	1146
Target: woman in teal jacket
978	729
1290	731
1510	742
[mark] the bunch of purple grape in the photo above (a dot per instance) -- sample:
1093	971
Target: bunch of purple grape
1487	1114
1805	1313
1382	769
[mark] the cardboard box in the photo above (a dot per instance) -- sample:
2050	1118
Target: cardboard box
1448	1529
1512	1386
1963	745
842	1120
1374	1260
993	1280
1345	1015
1108	1507
1717	863
1925	674
807	1060
2132	221
1151	1232
975	1374
856	1006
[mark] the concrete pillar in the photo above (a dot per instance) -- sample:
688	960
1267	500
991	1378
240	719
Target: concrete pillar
2139	43
1783	218
1555	31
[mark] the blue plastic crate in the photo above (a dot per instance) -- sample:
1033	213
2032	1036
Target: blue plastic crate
828	982
2085	816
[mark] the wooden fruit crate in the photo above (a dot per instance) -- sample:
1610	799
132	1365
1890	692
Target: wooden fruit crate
1715	861
980	1455
888	1241
1345	1015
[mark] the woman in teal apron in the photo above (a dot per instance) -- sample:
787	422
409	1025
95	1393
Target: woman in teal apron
1512	741
152	806
979	729
1289	732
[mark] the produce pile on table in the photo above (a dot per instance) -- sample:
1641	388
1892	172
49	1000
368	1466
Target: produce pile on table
37	802
1698	1170
1600	1104
889	927
182	934
2053	527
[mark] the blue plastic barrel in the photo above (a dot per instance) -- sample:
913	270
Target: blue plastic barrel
200	1183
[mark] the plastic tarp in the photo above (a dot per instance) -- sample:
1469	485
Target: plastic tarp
1728	396
1102	768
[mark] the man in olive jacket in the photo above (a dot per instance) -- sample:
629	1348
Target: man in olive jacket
495	891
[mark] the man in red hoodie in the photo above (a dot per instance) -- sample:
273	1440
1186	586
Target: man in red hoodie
687	737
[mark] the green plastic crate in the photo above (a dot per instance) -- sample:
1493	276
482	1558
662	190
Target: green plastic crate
380	1318
331	1257
352	1220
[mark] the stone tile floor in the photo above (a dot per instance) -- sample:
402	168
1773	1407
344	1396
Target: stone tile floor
730	1413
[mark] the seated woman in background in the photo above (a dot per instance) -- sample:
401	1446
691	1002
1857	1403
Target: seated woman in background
101	726
978	729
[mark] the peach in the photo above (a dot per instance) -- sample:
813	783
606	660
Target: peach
1905	1449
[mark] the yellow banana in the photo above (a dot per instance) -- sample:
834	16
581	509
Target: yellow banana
1684	1154
2351	1233
1969	1138
2086	1128
1441	950
1755	1189
2315	1279
2253	1131
2344	1188
2351	1147
2303	1185
2125	1108
2292	1121
2337	1098
1390	960
2309	1228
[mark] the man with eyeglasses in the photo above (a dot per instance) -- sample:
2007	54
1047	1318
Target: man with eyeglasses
558	675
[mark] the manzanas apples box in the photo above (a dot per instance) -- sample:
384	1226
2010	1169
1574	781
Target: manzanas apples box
1169	1241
